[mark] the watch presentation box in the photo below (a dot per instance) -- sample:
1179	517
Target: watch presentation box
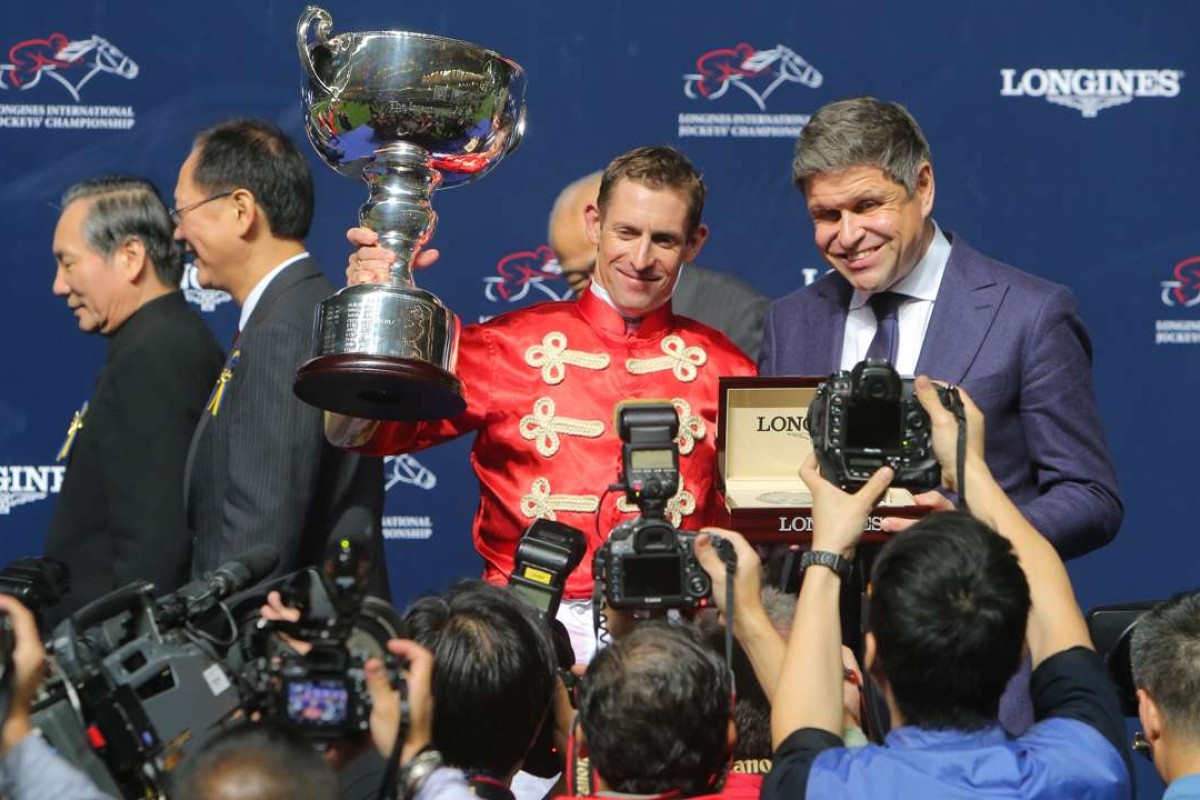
761	443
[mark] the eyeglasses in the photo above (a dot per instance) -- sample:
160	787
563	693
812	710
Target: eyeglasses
177	213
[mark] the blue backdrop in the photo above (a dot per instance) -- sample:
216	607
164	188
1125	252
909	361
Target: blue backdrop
1064	139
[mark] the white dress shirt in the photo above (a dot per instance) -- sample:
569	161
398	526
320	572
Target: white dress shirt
921	285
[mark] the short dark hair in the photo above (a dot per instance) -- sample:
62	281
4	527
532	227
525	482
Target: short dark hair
125	207
948	609
658	167
255	155
493	675
752	711
861	131
655	710
280	764
1164	652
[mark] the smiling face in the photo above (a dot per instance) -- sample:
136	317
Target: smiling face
202	224
866	225
642	240
95	287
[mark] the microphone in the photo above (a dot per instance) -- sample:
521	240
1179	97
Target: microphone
199	596
246	570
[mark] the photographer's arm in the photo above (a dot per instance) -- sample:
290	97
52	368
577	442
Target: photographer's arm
753	628
1055	621
424	778
29	768
809	691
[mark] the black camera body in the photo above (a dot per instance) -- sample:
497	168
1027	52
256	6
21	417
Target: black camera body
646	562
322	693
650	564
870	417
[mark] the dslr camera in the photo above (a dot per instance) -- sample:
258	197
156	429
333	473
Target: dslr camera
646	562
322	694
869	418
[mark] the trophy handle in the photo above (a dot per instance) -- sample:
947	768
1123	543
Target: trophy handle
324	26
518	133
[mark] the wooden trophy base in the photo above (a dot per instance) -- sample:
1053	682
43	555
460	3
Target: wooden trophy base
379	387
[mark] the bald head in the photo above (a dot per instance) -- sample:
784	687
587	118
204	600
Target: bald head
568	230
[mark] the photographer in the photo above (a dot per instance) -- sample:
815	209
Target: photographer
495	662
952	605
1165	658
762	619
29	768
654	711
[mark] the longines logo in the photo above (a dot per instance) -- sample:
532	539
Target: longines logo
793	425
1090	91
28	484
755	74
207	299
802	523
1181	291
68	65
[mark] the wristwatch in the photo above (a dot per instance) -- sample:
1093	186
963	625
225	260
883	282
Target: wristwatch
839	564
416	771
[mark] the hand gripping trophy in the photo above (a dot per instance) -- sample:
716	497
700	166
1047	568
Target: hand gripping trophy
407	113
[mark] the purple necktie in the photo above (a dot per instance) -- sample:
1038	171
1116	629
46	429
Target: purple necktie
885	305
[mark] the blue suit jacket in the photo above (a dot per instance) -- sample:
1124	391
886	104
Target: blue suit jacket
1016	343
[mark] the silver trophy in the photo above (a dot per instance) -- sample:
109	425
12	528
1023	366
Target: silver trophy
407	113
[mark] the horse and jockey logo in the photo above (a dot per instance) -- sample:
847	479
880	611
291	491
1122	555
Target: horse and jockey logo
407	470
517	274
71	63
1184	289
758	73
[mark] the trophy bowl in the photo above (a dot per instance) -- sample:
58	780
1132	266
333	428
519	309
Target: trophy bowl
407	113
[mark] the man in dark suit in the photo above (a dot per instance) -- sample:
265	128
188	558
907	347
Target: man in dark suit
717	299
120	516
1013	340
259	469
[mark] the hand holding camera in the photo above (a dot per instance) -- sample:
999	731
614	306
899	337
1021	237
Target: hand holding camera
24	669
869	418
945	426
714	548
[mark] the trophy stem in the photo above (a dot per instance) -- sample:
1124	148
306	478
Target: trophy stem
402	182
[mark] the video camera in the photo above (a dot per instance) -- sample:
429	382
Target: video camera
137	683
646	562
869	417
322	692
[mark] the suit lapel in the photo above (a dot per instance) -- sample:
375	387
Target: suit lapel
966	307
824	338
289	277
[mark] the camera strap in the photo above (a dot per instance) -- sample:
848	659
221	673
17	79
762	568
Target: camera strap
960	414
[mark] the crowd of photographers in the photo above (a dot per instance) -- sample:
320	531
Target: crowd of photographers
488	688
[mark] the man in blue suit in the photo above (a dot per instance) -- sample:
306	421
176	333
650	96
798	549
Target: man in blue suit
904	289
